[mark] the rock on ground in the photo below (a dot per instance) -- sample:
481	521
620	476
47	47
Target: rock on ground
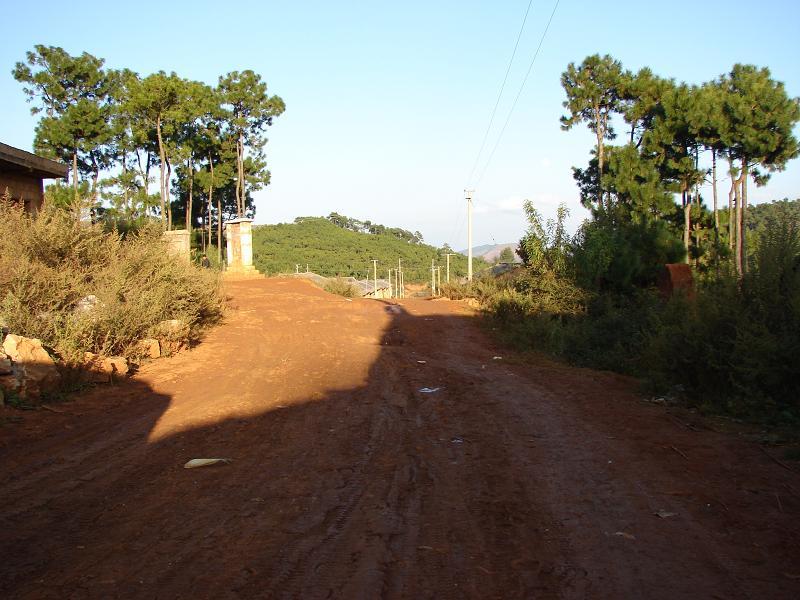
33	369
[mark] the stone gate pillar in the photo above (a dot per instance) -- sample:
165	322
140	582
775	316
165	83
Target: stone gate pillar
239	246
178	243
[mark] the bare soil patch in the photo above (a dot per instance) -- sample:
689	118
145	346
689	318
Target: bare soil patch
511	480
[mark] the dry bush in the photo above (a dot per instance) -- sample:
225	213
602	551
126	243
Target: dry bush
50	262
341	287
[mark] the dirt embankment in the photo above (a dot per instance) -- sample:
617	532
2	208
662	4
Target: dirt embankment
510	480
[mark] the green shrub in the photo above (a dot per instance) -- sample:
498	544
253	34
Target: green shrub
731	348
49	263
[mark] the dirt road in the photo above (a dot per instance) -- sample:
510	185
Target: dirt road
512	480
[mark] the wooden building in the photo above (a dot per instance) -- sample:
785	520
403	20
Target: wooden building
22	175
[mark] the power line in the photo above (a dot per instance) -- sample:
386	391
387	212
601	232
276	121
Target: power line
500	94
519	93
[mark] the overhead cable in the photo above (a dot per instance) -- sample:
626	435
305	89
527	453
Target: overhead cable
519	93
500	93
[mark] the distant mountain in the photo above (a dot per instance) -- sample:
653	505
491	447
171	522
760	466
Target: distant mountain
490	252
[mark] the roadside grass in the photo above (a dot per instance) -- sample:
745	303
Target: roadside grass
50	266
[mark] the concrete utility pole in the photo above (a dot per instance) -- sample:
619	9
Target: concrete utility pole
439	278
306	268
391	291
400	278
448	266
468	194
375	277
433	279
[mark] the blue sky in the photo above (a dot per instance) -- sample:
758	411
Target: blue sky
387	103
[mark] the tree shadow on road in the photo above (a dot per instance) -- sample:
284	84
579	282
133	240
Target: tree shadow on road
371	490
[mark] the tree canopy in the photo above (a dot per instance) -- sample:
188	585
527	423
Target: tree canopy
122	125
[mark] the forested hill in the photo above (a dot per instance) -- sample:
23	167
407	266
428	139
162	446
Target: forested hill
330	249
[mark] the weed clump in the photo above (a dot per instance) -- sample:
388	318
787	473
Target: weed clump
340	287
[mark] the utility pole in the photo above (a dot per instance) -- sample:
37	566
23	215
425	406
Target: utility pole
439	278
391	291
448	255
306	267
433	278
468	194
375	277
400	289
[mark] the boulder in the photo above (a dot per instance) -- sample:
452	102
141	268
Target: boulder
5	363
102	369
149	348
172	328
116	365
95	369
32	367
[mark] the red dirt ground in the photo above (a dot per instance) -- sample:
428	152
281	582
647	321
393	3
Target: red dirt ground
513	480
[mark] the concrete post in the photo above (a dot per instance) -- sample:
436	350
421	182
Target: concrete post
239	246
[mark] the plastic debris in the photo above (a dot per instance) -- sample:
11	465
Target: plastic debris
206	462
627	536
427	390
665	514
457	440
421	362
497	358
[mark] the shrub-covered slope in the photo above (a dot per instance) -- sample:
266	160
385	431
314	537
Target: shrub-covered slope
50	265
332	250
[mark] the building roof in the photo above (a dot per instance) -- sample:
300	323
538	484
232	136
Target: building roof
14	159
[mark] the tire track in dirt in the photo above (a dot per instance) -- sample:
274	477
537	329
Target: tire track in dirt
511	481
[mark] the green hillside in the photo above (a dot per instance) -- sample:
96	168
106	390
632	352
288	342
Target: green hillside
331	250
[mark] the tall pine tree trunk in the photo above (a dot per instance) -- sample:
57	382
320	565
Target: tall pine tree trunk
687	221
731	216
743	217
189	199
166	196
162	159
714	191
697	239
76	196
238	178
125	190
95	178
599	132
219	232
210	199
242	193
738	251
